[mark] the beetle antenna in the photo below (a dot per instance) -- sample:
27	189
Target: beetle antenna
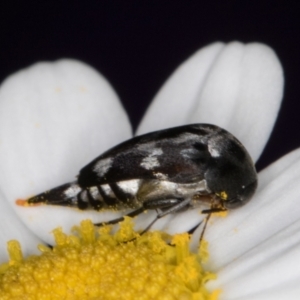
149	226
204	227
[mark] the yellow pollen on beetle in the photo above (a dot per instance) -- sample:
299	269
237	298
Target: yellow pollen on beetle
93	263
223	195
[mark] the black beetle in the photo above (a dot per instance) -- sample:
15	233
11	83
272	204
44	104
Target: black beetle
168	170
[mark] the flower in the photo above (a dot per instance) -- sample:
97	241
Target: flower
94	263
56	117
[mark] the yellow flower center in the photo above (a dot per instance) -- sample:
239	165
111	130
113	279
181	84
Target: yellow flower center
96	264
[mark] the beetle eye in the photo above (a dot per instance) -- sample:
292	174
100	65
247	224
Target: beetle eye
247	192
243	196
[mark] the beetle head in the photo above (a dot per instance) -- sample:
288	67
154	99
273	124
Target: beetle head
231	171
243	196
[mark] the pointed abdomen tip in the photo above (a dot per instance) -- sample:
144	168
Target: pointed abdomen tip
24	203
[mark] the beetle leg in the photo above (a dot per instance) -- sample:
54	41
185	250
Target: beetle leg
173	205
174	208
115	221
213	210
204	227
209	212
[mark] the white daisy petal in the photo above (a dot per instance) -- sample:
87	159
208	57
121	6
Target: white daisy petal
54	119
178	97
255	247
43	219
13	229
283	165
288	290
263	268
230	86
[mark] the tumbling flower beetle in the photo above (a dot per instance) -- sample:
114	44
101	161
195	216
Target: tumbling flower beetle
169	170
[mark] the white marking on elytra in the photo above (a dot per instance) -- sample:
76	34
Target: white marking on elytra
184	137
107	190
84	196
95	193
188	153
151	161
213	151
72	191
130	186
156	152
148	147
160	176
102	166
214	146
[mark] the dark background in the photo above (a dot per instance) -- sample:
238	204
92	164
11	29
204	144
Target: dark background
137	44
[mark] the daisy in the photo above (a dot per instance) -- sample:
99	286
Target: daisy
56	117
